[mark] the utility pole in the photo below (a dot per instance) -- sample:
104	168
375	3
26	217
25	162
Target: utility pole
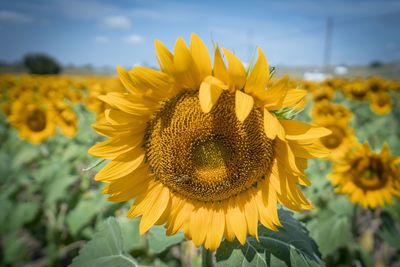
328	43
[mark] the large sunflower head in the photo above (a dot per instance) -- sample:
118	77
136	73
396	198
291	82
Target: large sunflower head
204	148
368	178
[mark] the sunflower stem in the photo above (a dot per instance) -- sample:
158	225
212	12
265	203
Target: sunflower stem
207	258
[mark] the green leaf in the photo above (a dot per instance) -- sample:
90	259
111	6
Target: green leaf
159	241
324	230
273	248
393	210
21	214
27	154
56	189
130	233
298	259
14	248
84	212
390	231
105	249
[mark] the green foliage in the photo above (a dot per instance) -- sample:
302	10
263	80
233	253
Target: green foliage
326	225
110	246
50	208
390	231
105	249
291	245
159	241
90	206
41	64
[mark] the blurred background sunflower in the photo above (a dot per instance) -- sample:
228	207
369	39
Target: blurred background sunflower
369	179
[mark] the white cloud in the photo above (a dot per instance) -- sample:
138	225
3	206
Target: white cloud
84	9
14	17
101	39
117	22
134	39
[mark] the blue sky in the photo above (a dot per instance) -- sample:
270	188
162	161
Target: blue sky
122	32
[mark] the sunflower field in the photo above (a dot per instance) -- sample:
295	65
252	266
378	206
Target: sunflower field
199	163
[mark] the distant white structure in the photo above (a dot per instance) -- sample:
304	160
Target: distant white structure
315	76
341	70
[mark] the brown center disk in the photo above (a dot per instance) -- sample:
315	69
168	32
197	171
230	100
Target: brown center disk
335	139
207	157
36	121
370	173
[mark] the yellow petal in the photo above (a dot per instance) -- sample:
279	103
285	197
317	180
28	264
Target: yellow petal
293	97
130	186
229	233
186	70
144	200
164	57
118	117
112	130
216	228
155	209
272	206
273	97
150	81
263	214
220	70
183	215
237	220
251	212
209	93
243	105
126	80
199	222
296	130
236	71
285	156
272	126
128	104
115	146
200	55
309	150
259	75
116	169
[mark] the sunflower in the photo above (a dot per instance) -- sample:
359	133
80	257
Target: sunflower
381	103
340	138
34	121
356	90
369	179
333	83
67	121
98	86
201	148
377	84
323	92
325	110
308	85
